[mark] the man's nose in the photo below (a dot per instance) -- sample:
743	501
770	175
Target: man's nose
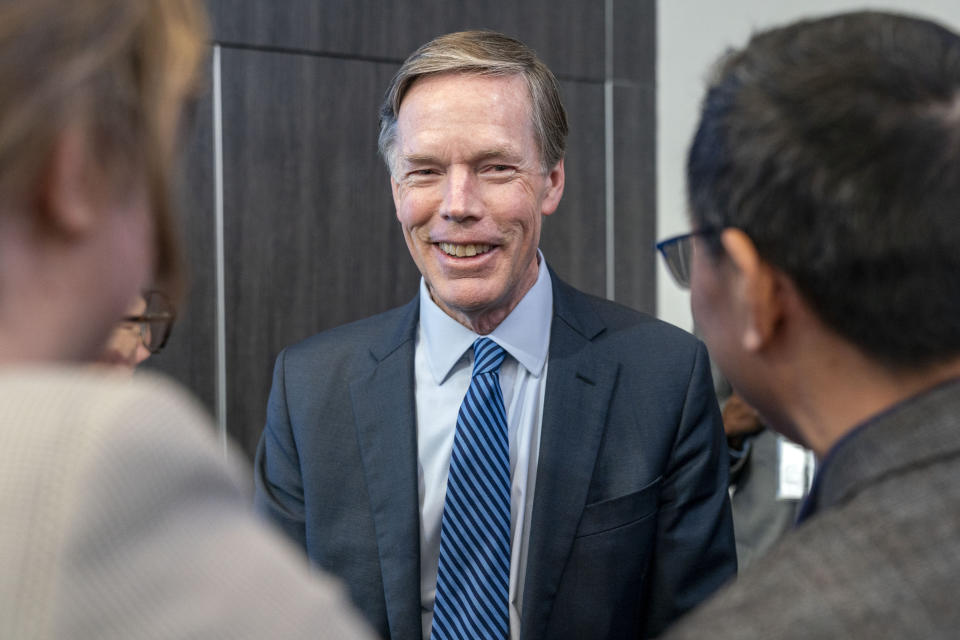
461	198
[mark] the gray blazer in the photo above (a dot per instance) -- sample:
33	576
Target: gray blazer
880	558
631	523
121	520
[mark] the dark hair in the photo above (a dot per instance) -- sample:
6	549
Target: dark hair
484	53
834	144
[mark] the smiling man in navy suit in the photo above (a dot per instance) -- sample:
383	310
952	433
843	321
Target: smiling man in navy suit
615	518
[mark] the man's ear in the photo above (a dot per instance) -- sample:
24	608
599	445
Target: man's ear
66	193
758	287
554	189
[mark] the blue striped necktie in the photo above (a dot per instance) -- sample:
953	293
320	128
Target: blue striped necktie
473	577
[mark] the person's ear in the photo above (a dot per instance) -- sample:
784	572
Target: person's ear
66	197
554	189
758	290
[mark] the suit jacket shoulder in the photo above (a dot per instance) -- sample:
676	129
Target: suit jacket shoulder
658	362
356	346
614	324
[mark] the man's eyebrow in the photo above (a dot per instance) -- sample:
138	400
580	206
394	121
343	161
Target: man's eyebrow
418	158
494	153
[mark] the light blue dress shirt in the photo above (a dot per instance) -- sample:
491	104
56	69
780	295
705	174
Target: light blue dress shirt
443	365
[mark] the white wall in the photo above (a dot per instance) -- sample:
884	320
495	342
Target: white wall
691	34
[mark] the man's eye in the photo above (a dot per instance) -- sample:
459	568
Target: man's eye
422	175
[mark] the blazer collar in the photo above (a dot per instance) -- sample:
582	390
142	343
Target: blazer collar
573	308
404	330
914	432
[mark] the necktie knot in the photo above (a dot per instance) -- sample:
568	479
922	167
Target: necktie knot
487	356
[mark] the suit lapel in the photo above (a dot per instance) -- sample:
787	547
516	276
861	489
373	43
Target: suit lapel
383	404
579	386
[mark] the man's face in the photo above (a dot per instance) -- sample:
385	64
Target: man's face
722	317
470	191
711	303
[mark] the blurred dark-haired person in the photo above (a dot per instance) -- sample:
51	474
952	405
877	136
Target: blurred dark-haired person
504	456
824	190
120	518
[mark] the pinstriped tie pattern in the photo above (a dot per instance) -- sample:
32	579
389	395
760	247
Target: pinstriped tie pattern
473	579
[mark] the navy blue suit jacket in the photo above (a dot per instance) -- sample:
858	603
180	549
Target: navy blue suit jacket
631	523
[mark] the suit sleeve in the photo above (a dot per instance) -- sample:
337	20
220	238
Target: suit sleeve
277	477
163	543
695	552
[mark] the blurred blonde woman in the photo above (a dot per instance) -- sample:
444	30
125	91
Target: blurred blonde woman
119	517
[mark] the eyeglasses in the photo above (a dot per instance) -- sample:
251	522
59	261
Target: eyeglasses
677	253
156	321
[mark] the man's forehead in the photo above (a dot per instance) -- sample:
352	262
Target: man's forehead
471	115
515	84
423	146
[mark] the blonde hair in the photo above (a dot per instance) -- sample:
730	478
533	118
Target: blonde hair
483	53
120	70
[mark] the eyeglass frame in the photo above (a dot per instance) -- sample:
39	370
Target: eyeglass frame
146	318
682	278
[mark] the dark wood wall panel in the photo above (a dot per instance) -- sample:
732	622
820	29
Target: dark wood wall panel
573	237
311	236
190	353
568	34
635	189
635	41
635	144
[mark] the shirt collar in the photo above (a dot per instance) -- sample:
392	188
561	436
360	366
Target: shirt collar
524	334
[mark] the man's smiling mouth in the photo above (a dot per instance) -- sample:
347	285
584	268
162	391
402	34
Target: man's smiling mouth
463	250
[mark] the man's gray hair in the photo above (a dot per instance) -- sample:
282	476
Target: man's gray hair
485	53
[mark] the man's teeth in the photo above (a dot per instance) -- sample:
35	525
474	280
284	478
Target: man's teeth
463	250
